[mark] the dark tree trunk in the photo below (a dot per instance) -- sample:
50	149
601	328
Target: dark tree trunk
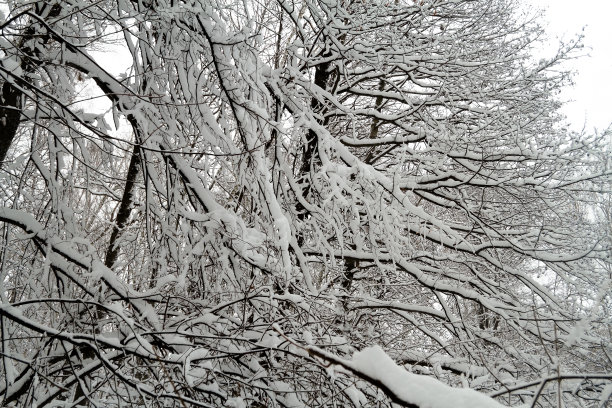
125	208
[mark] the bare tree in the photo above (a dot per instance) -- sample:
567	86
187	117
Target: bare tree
315	203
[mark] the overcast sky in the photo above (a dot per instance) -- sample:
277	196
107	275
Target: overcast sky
593	83
590	105
591	94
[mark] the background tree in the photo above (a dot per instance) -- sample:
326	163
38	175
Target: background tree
301	180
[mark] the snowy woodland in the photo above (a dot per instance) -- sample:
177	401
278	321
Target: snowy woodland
297	203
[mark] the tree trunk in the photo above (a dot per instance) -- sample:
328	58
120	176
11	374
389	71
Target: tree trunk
10	100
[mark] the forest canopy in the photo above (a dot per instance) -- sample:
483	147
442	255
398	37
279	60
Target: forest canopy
297	203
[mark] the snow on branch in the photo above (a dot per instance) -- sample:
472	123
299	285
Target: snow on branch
407	389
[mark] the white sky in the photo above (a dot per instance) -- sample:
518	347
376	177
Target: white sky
589	103
591	106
